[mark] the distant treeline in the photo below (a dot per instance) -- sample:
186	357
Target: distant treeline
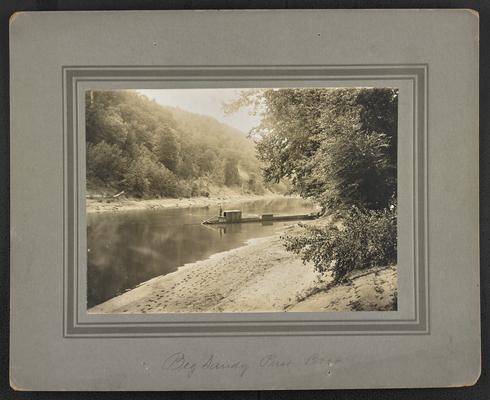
148	150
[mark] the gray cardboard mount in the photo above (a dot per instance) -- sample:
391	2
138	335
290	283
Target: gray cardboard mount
434	338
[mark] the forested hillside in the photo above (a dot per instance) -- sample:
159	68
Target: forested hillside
148	150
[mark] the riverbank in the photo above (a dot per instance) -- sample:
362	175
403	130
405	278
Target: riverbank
371	290
258	277
99	205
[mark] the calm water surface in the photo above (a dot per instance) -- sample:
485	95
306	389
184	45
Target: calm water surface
127	248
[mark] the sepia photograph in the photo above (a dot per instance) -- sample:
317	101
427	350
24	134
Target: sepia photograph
241	200
244	200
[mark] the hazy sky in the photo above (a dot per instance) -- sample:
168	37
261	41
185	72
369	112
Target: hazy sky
207	102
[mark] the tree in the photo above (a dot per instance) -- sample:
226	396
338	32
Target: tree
337	146
206	160
162	181
352	169
252	183
105	162
136	180
232	176
168	149
151	150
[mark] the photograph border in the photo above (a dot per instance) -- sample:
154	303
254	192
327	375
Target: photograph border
72	75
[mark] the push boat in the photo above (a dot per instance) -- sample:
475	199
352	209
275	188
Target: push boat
235	217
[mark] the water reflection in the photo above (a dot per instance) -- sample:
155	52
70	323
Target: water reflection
127	248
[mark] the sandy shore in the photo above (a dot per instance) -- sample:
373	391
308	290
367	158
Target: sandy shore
258	277
372	290
94	205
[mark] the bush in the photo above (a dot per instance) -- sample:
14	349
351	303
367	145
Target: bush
362	239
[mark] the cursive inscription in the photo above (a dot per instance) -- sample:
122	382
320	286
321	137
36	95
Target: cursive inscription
182	363
179	362
273	361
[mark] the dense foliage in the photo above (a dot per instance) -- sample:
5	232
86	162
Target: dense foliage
363	239
338	147
147	150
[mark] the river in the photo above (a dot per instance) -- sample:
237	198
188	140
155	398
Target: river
131	247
